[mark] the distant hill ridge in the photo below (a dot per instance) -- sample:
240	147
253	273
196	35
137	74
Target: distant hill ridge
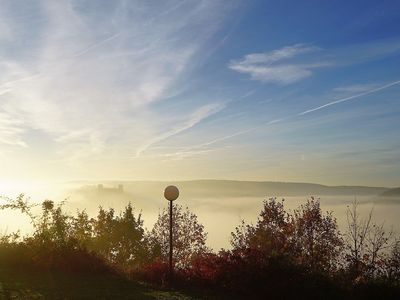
391	192
236	188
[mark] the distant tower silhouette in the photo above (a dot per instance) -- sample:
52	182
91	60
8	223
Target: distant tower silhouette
121	188
100	187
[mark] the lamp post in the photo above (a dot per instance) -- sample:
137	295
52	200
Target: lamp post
171	193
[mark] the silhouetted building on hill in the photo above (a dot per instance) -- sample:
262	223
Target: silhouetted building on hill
102	189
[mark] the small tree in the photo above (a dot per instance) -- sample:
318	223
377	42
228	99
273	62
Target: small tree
129	249
103	227
82	229
308	237
53	226
272	235
120	239
366	243
316	236
189	237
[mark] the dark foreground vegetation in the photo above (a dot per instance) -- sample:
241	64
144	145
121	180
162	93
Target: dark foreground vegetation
284	255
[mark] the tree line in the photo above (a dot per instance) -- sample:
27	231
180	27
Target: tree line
284	254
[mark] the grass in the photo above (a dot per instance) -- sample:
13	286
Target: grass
22	284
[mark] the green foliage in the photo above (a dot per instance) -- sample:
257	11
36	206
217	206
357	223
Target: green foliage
189	236
82	229
19	203
121	239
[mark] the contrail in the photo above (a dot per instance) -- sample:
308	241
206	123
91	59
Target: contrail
166	12
199	116
221	139
350	98
5	84
292	116
97	44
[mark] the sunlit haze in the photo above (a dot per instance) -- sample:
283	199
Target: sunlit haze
177	90
271	127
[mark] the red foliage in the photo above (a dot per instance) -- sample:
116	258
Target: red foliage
155	272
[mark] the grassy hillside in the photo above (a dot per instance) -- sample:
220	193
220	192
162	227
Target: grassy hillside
25	284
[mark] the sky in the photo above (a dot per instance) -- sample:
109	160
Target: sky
304	91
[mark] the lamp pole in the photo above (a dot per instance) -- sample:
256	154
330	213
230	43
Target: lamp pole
170	241
171	193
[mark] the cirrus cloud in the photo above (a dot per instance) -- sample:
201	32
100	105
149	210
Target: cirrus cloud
94	69
268	67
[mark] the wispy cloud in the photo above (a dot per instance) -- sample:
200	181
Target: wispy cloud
291	64
11	130
92	72
195	118
273	66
